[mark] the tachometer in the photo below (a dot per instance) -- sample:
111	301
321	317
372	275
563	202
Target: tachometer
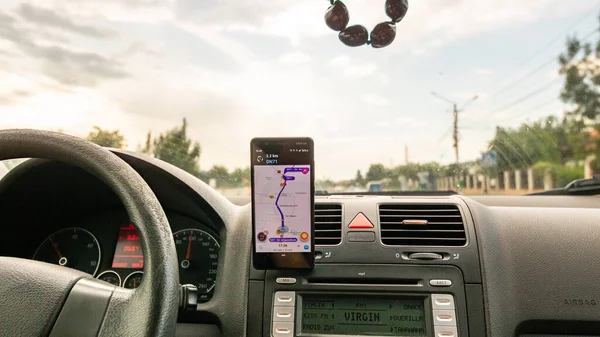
110	277
133	280
71	247
198	256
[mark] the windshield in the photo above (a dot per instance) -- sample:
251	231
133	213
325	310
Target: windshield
479	97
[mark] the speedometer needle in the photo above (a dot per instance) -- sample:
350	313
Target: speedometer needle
56	248
189	248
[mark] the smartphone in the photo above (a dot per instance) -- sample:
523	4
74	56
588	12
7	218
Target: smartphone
283	184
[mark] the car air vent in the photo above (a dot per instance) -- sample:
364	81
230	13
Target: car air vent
328	224
421	225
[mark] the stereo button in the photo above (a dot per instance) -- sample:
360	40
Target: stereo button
285	298
285	280
440	283
445	331
283	329
283	314
442	302
444	317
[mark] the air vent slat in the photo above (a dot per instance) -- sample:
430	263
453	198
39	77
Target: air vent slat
449	223
442	225
420	210
410	216
428	230
422	238
328	224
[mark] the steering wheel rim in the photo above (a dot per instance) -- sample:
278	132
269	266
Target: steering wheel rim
149	310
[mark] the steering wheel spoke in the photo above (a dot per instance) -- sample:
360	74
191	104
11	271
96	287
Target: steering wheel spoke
84	310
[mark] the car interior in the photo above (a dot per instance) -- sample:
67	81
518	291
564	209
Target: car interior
384	208
494	266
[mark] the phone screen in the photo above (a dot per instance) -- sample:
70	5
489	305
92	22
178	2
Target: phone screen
282	202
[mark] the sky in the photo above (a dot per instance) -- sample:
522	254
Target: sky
238	69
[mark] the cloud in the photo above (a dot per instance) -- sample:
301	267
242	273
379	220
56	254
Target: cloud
230	67
428	24
295	20
66	66
341	61
131	11
49	18
410	122
360	70
376	100
353	69
483	71
14	97
294	58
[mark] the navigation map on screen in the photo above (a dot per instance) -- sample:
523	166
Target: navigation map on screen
282	208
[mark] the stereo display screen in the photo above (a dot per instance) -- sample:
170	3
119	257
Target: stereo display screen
366	316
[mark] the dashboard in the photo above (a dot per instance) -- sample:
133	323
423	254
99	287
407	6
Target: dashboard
470	266
107	246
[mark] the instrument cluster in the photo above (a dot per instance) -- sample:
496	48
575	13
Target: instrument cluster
108	247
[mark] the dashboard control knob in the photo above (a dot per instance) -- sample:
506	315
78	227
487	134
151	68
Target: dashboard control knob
425	256
188	297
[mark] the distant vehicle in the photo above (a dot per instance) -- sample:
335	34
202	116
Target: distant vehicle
375	186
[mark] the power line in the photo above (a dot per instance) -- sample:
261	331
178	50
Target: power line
539	90
575	23
526	97
534	71
592	10
535	108
443	137
510	118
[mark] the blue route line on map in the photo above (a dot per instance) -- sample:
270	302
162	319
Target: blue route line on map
285	179
277	205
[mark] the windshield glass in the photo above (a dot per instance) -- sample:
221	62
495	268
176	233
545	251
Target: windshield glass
479	97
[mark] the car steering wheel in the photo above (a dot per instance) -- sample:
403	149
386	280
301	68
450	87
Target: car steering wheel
41	299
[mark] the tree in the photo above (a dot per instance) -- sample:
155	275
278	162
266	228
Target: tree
240	176
376	172
548	140
581	70
324	184
107	138
220	174
175	148
580	67
359	180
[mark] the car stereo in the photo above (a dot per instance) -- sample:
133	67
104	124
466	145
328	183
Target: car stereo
355	300
384	314
360	314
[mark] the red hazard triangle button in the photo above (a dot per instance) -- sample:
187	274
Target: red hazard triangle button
360	221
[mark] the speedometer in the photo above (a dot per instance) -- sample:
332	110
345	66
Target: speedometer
198	256
71	247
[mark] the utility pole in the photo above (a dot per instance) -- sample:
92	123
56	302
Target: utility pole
455	131
455	111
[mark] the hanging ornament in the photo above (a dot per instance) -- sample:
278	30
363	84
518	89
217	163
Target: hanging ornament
337	16
384	33
354	36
